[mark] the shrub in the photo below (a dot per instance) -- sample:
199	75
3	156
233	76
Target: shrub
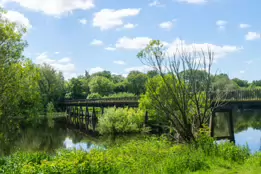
120	95
121	120
94	96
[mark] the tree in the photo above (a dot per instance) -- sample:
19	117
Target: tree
18	77
241	83
105	73
76	89
52	85
101	85
152	73
177	97
136	82
222	82
256	83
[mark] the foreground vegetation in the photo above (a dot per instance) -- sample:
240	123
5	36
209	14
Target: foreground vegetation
152	155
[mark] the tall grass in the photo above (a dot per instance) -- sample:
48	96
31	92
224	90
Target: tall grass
152	155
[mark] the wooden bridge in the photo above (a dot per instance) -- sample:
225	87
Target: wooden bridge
83	112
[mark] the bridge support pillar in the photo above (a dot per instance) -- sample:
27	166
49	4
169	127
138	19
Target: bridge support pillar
225	117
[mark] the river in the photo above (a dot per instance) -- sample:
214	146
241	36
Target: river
40	136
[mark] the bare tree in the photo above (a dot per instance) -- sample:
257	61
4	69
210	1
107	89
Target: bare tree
182	92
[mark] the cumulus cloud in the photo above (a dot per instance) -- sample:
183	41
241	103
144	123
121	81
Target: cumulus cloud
193	1
97	42
143	69
109	18
110	48
119	62
218	50
221	24
130	26
95	70
252	36
167	25
244	26
54	7
18	18
64	65
83	21
156	3
132	43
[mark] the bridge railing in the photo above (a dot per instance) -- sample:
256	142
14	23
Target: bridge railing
235	95
122	99
239	95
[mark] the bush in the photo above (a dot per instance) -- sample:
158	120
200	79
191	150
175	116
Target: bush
94	96
121	120
120	95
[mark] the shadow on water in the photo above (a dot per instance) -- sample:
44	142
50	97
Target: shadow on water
39	136
247	128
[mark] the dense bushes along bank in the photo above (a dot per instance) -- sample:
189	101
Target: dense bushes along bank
152	155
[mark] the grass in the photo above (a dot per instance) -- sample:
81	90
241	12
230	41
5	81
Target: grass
152	155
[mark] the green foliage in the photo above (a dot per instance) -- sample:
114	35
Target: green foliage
94	96
120	95
50	114
121	120
152	155
101	85
136	82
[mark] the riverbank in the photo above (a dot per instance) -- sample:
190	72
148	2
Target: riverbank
152	155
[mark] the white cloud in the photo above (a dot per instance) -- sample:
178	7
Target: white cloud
110	48
252	36
57	52
83	21
156	3
193	1
242	72
97	42
132	43
64	65
221	24
109	18
143	69
54	7
167	25
244	26
65	60
119	62
219	51
129	26
95	70
18	18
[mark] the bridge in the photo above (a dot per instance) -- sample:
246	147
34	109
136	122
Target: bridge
83	112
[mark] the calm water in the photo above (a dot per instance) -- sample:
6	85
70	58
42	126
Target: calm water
40	137
247	128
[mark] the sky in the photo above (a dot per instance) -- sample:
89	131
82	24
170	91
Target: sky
95	35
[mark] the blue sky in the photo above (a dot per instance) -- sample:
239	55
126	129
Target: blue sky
93	35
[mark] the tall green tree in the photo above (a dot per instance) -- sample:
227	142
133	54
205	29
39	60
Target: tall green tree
51	83
136	82
241	83
101	85
176	97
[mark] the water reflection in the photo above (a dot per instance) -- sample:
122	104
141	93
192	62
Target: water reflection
247	128
38	136
251	137
85	146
